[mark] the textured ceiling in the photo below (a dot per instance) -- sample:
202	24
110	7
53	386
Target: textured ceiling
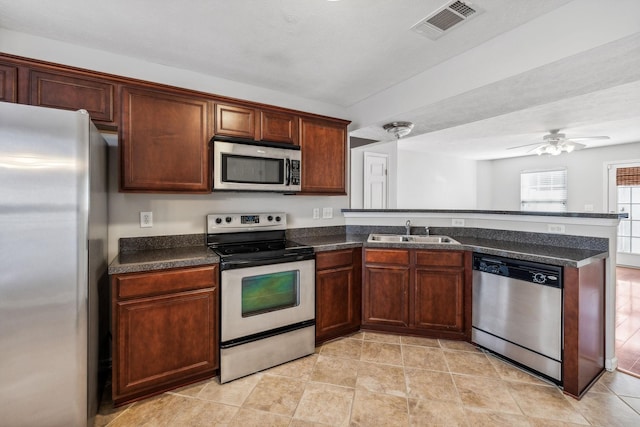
338	52
349	52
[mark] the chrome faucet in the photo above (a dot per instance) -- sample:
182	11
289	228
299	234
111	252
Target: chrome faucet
426	230
408	226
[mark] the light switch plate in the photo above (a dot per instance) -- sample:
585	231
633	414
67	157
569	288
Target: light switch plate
327	213
316	213
146	219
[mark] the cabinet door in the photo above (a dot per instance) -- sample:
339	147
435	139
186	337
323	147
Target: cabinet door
338	293
386	296
164	341
438	300
164	142
324	152
386	288
233	120
8	83
69	92
278	127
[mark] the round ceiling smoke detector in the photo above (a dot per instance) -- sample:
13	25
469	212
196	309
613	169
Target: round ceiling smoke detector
399	129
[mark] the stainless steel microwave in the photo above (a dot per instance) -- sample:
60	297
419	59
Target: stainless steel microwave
246	165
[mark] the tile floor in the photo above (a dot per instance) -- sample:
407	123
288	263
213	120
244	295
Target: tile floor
628	319
371	379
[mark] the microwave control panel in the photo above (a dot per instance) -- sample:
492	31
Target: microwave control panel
295	172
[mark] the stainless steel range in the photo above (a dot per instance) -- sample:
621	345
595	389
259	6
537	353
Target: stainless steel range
267	293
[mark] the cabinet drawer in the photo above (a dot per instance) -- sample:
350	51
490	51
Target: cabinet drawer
333	259
440	258
387	256
156	283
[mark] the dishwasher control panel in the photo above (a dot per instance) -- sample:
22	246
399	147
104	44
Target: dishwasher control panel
543	274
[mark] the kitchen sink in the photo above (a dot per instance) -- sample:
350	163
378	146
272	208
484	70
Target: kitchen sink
402	238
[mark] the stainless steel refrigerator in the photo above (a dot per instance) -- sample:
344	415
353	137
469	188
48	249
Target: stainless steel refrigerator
53	249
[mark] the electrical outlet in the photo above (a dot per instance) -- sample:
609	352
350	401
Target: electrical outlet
588	207
146	219
316	213
456	222
327	213
555	228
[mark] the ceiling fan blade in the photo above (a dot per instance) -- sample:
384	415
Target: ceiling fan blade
526	145
577	146
586	138
536	148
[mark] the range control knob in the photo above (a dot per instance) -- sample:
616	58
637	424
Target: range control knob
228	219
218	220
539	278
270	218
278	219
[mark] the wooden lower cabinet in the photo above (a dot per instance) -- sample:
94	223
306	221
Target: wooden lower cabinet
386	288
421	292
584	320
164	329
338	293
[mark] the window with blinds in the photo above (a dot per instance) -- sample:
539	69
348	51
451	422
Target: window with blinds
543	190
628	176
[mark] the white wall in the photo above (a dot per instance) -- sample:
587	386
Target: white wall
435	181
585	176
179	214
484	185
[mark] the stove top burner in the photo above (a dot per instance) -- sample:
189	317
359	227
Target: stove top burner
243	240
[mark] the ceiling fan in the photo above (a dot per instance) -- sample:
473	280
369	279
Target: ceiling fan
555	143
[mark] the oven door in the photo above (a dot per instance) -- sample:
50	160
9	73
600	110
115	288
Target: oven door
259	299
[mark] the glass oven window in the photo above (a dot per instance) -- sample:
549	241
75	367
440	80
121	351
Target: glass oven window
252	170
270	292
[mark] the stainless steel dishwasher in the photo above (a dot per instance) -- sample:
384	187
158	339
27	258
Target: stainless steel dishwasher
517	312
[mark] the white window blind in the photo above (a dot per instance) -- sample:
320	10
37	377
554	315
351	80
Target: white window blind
543	190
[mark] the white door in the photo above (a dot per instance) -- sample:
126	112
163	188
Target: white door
375	180
626	199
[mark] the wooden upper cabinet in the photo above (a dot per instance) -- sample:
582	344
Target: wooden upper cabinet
235	120
8	83
164	140
278	127
69	92
324	155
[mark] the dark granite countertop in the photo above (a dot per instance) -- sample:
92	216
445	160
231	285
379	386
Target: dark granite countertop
159	259
496	212
556	255
333	242
155	253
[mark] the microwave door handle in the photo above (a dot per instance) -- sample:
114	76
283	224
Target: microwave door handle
288	172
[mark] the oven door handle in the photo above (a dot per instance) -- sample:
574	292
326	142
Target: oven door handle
230	265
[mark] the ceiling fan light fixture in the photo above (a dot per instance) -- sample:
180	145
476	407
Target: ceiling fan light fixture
555	149
399	129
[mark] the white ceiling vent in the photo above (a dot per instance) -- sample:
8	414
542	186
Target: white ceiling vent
445	18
